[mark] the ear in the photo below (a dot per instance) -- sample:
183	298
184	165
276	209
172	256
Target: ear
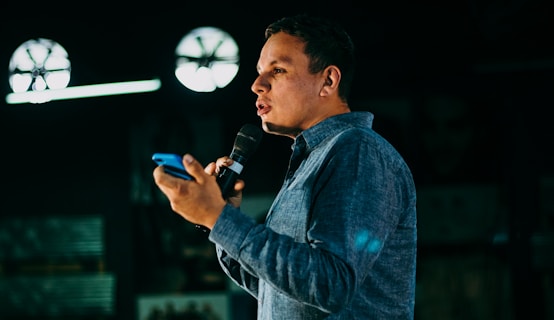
331	80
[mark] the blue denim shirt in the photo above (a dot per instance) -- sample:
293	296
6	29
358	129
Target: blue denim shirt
339	241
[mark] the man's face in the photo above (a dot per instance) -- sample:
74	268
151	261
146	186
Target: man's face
287	92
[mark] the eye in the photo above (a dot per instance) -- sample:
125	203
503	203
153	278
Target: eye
278	70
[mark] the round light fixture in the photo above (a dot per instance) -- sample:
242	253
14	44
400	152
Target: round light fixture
39	65
207	59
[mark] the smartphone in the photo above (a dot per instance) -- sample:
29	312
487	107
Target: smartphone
172	164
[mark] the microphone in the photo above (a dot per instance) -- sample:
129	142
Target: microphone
246	143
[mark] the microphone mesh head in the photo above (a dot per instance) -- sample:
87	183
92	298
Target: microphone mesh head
247	140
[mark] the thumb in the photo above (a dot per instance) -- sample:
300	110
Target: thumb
193	166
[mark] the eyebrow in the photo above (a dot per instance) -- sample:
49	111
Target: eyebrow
284	59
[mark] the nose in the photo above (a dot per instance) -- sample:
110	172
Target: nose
259	85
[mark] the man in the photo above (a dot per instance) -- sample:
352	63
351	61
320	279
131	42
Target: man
339	241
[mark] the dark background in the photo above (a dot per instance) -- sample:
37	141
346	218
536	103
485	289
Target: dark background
486	221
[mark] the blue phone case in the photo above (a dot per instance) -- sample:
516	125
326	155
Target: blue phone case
173	164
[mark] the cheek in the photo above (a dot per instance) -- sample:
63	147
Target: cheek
306	86
300	91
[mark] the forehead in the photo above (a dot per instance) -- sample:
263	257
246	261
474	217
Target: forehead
283	48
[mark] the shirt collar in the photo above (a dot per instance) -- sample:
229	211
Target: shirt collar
333	125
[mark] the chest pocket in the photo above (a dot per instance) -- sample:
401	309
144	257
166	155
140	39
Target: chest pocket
289	215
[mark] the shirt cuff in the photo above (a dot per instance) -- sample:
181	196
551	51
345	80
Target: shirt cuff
230	230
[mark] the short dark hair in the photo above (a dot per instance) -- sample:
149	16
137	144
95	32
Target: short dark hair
326	43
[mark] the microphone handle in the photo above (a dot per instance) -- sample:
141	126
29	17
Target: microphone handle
226	180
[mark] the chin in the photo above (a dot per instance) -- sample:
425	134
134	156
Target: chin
280	130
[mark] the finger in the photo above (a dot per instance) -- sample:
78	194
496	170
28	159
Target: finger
224	162
210	168
164	181
193	167
239	185
160	176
